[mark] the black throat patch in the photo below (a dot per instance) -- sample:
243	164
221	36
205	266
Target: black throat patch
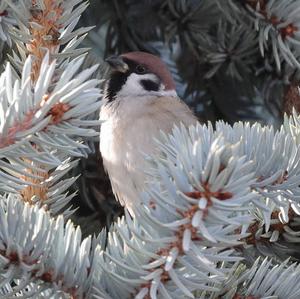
118	79
115	83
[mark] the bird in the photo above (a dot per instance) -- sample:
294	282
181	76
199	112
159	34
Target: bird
139	102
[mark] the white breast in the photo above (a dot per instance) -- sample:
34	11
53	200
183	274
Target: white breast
128	133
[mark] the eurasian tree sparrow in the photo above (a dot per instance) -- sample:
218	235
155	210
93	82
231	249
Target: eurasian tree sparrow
139	101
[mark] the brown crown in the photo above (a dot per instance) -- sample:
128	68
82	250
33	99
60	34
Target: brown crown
155	65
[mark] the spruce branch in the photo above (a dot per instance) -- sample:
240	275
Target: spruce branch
278	25
280	241
190	20
265	280
48	107
276	181
6	21
36	135
235	50
47	26
40	255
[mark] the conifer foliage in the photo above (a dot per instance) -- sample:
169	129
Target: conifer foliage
225	199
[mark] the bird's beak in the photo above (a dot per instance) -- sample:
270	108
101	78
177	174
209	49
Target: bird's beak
117	63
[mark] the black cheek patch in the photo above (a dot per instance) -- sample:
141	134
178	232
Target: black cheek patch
150	85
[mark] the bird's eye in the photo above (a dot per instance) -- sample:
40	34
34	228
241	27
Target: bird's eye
140	69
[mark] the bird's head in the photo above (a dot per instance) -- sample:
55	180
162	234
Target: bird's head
138	74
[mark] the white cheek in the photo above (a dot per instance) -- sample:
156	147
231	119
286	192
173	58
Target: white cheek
132	87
